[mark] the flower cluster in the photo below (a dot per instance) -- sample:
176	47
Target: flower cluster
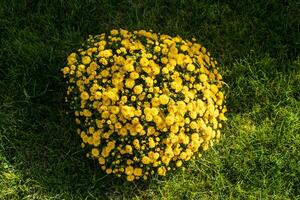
145	103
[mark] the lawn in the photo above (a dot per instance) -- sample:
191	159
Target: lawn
257	44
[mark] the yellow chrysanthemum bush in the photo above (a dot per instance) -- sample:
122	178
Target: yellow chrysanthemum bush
145	103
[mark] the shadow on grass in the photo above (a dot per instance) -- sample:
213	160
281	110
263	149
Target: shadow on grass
45	149
48	154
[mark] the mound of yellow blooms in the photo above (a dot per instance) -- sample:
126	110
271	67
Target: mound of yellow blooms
145	103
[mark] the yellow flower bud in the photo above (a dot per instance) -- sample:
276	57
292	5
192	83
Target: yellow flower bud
164	99
138	89
86	60
146	160
84	96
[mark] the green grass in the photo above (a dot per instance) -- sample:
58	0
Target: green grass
258	46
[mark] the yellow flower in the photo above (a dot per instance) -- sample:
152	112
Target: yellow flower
111	145
139	128
129	170
179	163
106	53
95	152
149	81
66	70
184	47
204	146
176	85
155	102
165	70
134	75
136	143
203	77
118	125
150	131
185	140
151	143
138	89
105	114
123	132
193	125
149	118
71	60
128	149
214	89
155	156
84	96
164	99
129	67
174	129
172	62
114	32
130	83
164	60
190	67
81	67
86	60
146	160
157	49
161	171
130	178
169	152
144	62
195	136
98	95
118	51
183	156
157	119
222	116
87	113
207	59
101	161
115	109
108	171
138	172
105	73
170	120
